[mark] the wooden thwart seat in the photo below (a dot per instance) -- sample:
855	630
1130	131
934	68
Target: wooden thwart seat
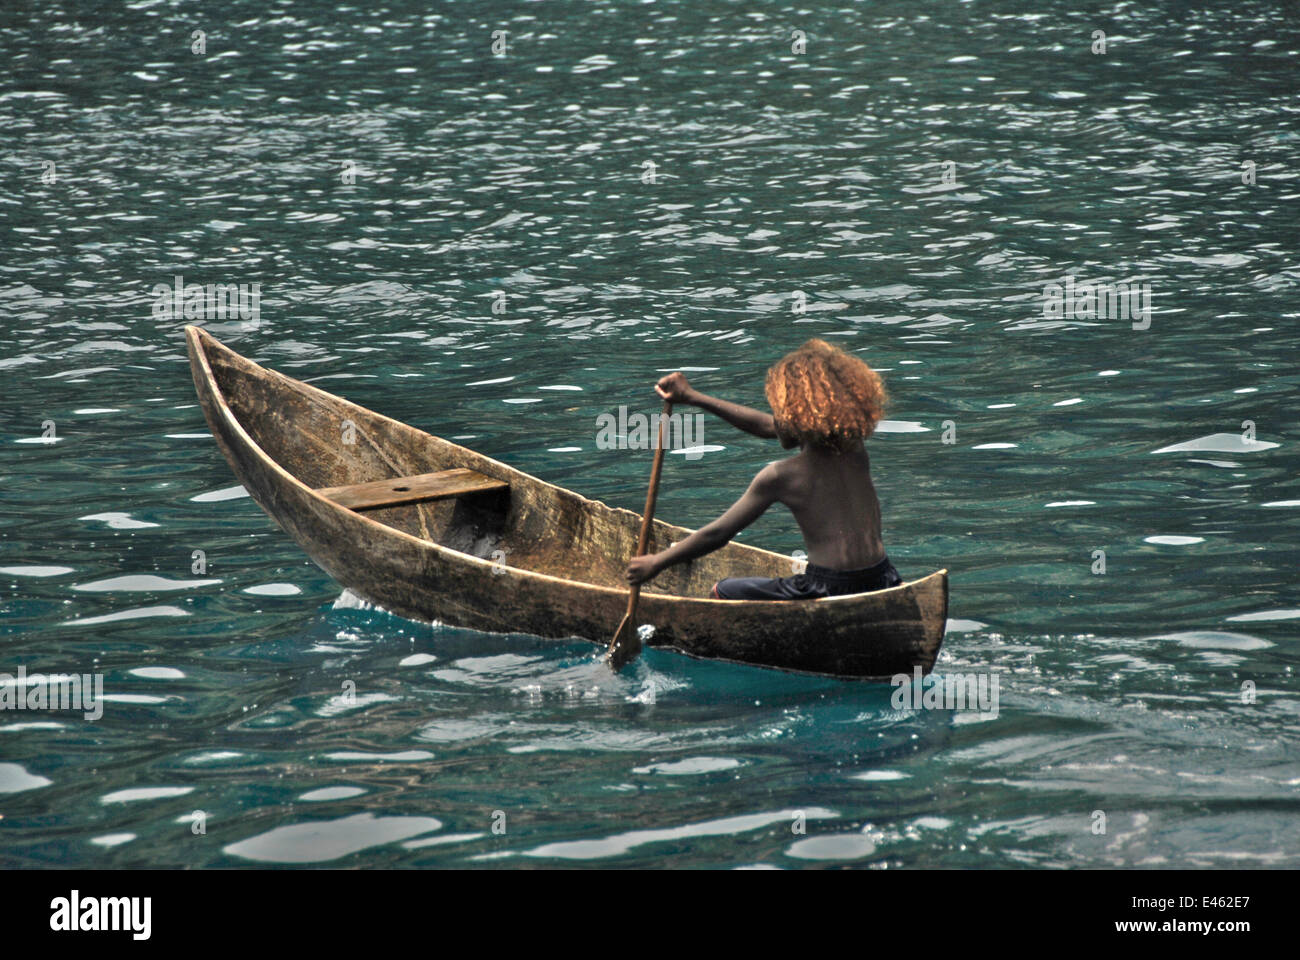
398	491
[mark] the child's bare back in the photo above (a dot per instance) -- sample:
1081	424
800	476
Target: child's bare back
834	502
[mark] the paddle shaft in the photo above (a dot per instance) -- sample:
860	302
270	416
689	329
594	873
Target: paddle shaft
626	645
647	518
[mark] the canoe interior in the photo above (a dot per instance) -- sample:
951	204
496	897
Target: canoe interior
325	441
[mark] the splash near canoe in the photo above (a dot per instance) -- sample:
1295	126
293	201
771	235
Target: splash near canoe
430	530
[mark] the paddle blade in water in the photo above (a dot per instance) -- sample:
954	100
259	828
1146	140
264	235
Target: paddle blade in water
626	645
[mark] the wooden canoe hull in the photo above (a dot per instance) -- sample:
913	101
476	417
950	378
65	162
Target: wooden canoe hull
535	559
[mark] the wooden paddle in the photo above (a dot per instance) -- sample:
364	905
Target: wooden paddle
626	645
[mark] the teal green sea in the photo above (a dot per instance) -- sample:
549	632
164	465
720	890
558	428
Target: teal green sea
502	245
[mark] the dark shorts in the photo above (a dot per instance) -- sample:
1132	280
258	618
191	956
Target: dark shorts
814	583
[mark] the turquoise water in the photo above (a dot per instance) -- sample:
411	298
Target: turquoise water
227	691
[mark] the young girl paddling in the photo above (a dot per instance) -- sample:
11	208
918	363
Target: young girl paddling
826	402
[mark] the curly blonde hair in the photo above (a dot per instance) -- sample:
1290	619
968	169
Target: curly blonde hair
821	395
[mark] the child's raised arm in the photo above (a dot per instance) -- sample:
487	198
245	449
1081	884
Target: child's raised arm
675	387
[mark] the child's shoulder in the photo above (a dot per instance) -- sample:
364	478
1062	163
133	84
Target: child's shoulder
784	472
776	475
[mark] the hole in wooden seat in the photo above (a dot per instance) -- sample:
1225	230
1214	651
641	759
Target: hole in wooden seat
424	487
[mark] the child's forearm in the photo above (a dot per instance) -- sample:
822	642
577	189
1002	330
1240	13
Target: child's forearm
742	418
764	490
696	545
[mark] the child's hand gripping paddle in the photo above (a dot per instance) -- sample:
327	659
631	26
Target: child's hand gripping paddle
626	645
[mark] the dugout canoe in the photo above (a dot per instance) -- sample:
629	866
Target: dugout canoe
431	530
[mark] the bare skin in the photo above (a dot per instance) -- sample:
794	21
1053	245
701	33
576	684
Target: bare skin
830	494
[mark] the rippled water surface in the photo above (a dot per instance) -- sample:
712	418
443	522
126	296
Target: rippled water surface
919	173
